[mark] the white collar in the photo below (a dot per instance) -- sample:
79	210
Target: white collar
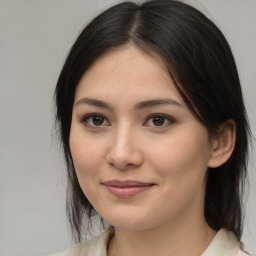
224	243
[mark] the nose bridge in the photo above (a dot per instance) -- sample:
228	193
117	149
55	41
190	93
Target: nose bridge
124	151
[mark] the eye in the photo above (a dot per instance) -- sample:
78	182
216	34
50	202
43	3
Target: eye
159	120
95	120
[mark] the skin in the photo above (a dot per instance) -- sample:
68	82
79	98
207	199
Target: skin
171	152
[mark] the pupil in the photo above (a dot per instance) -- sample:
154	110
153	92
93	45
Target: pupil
97	120
158	121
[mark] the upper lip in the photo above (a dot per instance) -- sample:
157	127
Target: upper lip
126	183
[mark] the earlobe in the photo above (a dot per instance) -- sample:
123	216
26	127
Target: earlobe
223	145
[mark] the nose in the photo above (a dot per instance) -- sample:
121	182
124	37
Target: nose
124	152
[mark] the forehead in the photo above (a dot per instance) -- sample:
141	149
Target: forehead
126	71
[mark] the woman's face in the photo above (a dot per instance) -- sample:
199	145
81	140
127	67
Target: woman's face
139	154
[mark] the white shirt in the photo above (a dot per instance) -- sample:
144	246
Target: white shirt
223	244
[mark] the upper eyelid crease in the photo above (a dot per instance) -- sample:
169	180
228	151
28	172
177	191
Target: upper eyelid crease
85	118
138	106
167	117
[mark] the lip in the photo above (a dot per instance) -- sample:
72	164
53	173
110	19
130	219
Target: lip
127	188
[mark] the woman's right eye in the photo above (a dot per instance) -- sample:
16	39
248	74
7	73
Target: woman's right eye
95	120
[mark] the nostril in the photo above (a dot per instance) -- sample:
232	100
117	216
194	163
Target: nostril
122	166
123	162
124	153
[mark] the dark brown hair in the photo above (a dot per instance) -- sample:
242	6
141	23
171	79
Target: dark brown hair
198	58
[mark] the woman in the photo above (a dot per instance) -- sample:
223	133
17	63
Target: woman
154	133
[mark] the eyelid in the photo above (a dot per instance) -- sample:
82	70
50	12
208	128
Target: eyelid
84	120
170	119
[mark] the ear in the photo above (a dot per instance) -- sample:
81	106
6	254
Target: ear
224	144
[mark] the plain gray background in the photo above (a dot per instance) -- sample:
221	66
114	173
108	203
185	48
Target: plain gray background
35	36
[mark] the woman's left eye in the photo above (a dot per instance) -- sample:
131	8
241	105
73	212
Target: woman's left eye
159	120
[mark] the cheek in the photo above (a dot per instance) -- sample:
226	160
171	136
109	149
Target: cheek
87	162
182	162
182	165
86	155
181	155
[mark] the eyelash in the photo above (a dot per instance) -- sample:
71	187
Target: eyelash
86	119
167	120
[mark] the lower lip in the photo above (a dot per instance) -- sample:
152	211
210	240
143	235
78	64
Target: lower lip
126	192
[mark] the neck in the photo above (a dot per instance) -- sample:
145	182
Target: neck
179	240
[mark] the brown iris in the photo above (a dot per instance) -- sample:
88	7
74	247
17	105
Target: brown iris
158	120
97	120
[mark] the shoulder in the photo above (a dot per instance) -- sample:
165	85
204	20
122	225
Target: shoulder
224	243
94	247
242	253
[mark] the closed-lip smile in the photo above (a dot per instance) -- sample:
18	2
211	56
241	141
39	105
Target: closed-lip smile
127	188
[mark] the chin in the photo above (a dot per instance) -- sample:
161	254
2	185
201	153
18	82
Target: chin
132	222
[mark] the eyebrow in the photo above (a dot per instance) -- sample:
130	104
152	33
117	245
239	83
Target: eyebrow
156	102
93	102
138	106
